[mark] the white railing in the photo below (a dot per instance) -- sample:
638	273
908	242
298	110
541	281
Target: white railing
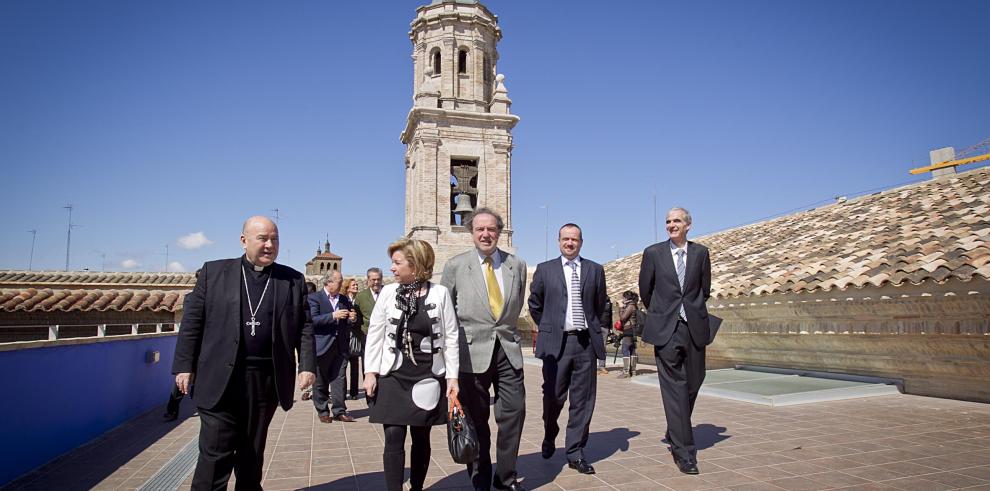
58	331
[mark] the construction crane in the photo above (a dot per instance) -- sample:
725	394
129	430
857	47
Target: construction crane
962	158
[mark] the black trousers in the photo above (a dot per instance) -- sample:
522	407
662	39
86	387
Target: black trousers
510	411
357	380
328	392
394	457
575	373
232	434
681	369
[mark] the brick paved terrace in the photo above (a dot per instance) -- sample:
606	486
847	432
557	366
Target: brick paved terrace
887	442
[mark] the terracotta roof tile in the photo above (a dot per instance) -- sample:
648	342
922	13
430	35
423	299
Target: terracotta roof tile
48	300
937	230
61	279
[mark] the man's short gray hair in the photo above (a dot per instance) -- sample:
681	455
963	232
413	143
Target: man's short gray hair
687	214
373	270
327	278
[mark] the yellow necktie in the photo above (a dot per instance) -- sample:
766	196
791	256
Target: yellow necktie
494	293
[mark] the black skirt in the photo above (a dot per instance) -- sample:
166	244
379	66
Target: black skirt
412	394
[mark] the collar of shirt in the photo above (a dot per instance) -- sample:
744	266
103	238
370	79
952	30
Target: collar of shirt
577	260
674	248
496	259
333	298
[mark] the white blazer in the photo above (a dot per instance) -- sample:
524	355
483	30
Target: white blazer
380	355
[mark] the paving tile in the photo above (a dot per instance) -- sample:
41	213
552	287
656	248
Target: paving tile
623	446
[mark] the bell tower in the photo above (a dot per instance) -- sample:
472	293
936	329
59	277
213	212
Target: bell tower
458	134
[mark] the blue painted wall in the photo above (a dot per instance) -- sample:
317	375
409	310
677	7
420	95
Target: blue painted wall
57	398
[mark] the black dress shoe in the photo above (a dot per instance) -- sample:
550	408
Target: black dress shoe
170	416
666	439
581	466
547	450
686	467
516	486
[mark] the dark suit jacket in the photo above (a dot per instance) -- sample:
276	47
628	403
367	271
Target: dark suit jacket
327	331
662	295
208	338
548	298
365	303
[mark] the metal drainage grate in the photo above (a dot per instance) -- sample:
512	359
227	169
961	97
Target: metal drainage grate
171	475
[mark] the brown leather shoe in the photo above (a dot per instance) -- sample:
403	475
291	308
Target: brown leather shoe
346	418
326	418
307	396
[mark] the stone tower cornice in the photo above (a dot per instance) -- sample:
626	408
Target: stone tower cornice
426	114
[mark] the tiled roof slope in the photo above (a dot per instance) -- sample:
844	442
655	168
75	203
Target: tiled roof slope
937	231
52	300
88	278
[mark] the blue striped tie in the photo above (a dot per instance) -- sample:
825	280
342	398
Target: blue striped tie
680	278
576	308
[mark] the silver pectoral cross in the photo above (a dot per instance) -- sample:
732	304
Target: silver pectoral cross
253	324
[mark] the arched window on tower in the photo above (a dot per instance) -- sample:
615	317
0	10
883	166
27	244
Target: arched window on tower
462	61
436	62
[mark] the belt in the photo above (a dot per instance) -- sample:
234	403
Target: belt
576	332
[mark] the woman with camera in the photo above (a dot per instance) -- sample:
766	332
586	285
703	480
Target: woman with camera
630	325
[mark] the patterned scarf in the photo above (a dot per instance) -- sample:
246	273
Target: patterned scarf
405	300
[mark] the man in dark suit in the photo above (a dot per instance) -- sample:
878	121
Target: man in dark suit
674	283
242	327
567	301
333	316
365	304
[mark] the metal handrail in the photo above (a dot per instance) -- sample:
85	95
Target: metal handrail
101	329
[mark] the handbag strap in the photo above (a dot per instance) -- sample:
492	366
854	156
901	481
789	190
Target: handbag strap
454	403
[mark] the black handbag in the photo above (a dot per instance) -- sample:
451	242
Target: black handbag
461	437
355	347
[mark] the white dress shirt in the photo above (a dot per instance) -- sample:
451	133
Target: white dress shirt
333	299
569	319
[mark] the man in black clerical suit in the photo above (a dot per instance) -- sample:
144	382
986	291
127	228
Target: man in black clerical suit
567	301
242	328
674	283
333	316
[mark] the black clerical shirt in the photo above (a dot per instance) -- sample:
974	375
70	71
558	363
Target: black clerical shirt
257	348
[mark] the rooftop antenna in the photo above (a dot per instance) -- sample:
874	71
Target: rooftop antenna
656	229
275	210
34	236
546	234
166	258
68	235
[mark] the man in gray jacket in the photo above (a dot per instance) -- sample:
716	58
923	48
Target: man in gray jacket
487	286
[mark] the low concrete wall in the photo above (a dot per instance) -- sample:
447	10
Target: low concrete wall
939	365
61	394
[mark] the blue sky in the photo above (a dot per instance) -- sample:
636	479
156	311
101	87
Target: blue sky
157	120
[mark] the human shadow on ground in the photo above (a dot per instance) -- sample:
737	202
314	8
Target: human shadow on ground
533	470
707	435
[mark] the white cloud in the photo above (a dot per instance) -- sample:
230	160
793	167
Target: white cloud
176	267
129	264
194	241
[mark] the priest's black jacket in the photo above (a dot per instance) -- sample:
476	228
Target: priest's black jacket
210	331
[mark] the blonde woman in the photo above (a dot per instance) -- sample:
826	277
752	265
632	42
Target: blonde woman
411	360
